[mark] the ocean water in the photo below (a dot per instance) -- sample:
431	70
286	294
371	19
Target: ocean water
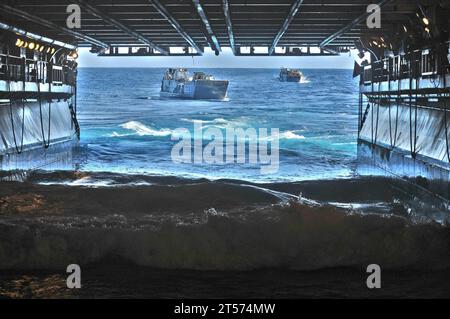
127	127
140	225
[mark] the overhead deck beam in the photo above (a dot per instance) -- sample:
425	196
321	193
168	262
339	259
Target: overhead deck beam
227	13
115	52
119	25
354	23
234	23
175	24
26	16
299	53
294	9
202	14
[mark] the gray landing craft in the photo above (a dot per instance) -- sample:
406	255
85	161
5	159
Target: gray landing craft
178	83
291	75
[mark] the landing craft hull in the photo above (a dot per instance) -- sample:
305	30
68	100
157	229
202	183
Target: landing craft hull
290	79
61	126
199	90
210	90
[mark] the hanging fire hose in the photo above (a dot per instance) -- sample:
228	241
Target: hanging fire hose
378	109
442	74
366	112
398	102
360	115
412	144
73	113
372	137
372	107
389	103
445	113
415	114
446	129
39	98
19	150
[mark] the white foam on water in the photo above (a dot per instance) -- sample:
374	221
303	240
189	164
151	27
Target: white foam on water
290	135
115	134
86	181
304	81
144	130
286	135
219	121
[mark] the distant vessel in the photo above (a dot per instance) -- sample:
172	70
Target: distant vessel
178	83
291	75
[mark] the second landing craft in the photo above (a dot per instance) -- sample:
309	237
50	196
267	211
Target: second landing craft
291	75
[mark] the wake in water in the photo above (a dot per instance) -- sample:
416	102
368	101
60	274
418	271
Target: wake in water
139	129
142	130
304	80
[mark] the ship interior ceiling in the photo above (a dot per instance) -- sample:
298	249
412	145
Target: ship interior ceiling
275	27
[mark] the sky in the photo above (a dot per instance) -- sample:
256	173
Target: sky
225	60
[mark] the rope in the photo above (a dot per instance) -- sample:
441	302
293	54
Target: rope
415	115
389	103
11	115
410	111
413	144
49	122
73	114
46	142
76	99
73	107
360	115
372	107
378	112
398	102
366	112
445	113
446	131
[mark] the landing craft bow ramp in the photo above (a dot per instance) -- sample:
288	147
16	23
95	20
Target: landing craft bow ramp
248	27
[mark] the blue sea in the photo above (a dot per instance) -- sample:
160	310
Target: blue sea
142	226
127	127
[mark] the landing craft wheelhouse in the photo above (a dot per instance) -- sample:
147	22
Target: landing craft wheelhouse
178	83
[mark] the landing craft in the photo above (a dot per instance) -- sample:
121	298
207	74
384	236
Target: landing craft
177	83
291	75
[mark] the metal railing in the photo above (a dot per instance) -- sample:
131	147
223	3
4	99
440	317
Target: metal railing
419	63
13	68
